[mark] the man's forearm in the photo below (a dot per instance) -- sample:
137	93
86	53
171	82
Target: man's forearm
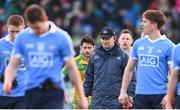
126	79
11	69
76	79
10	73
172	86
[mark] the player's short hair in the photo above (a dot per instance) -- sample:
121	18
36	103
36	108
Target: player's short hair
155	16
87	39
126	31
15	20
35	13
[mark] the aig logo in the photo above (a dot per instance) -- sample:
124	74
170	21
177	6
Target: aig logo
40	59
149	60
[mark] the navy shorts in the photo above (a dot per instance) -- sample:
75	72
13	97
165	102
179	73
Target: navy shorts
38	98
12	102
177	102
148	101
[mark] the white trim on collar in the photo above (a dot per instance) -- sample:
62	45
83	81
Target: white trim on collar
163	37
51	30
6	38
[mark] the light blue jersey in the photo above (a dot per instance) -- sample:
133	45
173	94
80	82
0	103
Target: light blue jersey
44	54
153	57
6	47
176	63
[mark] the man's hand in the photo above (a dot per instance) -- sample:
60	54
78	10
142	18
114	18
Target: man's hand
166	104
123	98
83	104
127	105
7	86
65	98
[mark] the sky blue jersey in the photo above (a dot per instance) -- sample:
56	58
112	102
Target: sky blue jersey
176	63
44	54
153	57
6	47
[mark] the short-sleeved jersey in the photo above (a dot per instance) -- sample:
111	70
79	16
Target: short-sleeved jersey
6	47
44	54
153	57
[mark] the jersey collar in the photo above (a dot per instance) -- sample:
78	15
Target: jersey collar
163	37
51	30
8	39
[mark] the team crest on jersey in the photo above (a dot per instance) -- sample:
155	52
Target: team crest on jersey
149	60
40	46
159	50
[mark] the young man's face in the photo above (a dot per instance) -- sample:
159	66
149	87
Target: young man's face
13	30
86	50
125	41
38	27
108	43
147	26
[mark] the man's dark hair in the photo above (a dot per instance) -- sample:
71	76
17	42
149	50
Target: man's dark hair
35	13
15	20
155	16
87	39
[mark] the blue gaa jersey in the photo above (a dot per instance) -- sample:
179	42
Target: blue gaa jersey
44	54
153	57
176	63
6	47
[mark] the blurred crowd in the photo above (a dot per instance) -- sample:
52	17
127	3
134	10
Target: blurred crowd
80	17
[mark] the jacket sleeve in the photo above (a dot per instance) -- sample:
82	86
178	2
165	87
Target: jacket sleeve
89	79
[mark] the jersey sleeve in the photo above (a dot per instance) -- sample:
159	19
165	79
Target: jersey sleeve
17	49
175	59
133	53
67	50
169	53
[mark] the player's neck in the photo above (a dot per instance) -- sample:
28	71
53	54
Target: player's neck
128	50
47	27
11	38
155	34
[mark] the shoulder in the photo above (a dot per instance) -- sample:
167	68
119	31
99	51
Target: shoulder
2	40
25	33
61	34
170	43
78	58
140	40
177	47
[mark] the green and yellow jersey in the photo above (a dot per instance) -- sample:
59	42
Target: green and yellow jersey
81	63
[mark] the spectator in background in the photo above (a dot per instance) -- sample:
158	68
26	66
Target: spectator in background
125	40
